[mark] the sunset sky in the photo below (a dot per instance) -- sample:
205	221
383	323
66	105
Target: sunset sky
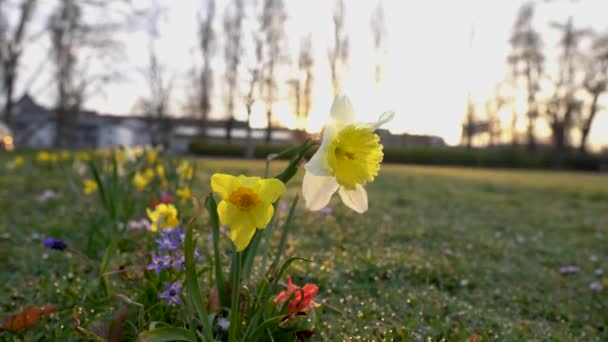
429	67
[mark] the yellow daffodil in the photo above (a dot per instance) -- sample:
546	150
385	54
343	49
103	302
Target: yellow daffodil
65	155
349	157
185	171
246	204
140	181
89	186
18	161
151	155
164	216
138	151
160	170
148	173
184	193
82	156
43	156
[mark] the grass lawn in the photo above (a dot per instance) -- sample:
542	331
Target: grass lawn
450	253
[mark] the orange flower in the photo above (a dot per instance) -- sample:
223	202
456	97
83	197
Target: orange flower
301	297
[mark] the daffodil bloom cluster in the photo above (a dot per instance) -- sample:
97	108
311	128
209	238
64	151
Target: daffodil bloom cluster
163	216
185	171
90	186
246	204
184	193
142	179
47	157
349	157
18	161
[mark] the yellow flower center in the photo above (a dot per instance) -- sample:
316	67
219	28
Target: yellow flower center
244	198
354	156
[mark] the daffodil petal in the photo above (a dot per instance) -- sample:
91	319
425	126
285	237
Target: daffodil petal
354	199
227	212
224	185
241	234
383	119
317	190
317	165
342	110
270	190
249	182
262	214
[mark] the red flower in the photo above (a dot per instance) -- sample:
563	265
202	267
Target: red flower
165	198
301	297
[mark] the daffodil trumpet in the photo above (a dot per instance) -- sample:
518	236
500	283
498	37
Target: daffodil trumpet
348	158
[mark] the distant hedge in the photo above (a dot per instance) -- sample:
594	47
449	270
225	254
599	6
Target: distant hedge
449	156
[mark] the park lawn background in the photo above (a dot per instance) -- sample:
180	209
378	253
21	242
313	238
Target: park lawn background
450	253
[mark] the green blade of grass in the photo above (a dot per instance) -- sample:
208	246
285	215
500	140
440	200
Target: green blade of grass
220	284
192	287
166	334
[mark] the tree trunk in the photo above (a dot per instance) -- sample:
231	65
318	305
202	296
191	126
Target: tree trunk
269	127
9	87
588	122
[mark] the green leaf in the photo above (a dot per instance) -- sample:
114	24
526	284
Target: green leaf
167	334
100	186
192	287
236	291
292	167
259	330
220	284
286	225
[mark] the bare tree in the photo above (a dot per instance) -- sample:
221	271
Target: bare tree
233	22
526	60
75	45
378	27
255	78
306	63
302	83
156	104
563	107
11	50
206	45
272	23
338	54
595	84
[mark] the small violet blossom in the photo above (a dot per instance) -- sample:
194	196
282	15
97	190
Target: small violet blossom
160	262
171	293
568	270
596	286
53	243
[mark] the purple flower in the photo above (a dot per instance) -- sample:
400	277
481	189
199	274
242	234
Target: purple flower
171	239
326	211
179	262
283	206
53	243
160	262
596	286
171	293
568	270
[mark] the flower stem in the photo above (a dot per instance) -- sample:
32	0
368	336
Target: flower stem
234	303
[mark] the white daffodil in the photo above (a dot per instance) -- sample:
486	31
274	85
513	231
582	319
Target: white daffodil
349	157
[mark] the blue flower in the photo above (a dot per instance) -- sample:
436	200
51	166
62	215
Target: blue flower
160	262
171	293
179	262
53	243
171	239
